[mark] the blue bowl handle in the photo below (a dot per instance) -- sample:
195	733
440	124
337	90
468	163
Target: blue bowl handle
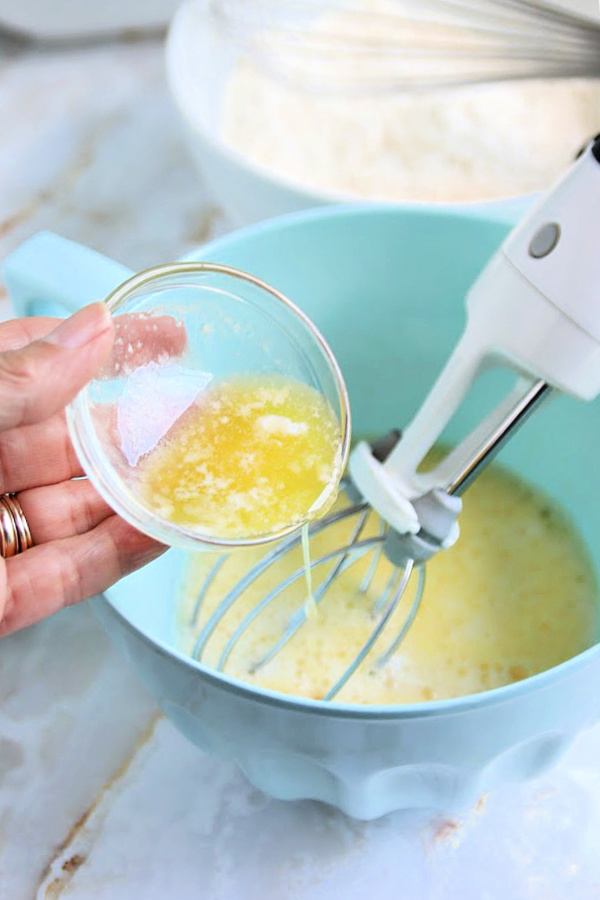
51	276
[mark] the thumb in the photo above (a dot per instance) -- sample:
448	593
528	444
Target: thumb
41	378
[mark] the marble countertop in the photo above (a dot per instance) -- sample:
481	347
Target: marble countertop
99	796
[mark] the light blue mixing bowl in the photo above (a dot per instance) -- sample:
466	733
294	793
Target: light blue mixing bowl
386	286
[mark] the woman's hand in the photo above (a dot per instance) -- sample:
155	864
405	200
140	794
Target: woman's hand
81	546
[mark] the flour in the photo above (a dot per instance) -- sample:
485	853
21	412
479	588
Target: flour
466	144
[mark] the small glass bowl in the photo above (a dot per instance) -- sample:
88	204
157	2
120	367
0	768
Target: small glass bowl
176	324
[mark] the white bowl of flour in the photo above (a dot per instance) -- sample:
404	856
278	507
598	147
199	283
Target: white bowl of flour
264	148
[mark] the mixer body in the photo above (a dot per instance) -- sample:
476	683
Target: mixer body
533	309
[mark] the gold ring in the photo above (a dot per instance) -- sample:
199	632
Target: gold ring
15	534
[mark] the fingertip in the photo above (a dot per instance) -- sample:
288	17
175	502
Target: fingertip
87	325
39	379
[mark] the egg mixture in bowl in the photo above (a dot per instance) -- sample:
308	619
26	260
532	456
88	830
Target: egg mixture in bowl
515	596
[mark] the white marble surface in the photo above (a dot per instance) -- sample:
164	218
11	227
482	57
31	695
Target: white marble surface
101	799
89	147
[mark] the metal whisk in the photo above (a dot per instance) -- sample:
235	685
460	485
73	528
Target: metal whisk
533	308
371	46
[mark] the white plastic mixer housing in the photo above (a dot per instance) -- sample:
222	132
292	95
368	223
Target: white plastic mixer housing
534	308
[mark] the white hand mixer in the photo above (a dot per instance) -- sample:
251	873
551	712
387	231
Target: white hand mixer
535	308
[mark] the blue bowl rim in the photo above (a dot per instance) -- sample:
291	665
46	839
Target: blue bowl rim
338	709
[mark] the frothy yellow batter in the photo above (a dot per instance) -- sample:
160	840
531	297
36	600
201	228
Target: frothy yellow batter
515	596
252	456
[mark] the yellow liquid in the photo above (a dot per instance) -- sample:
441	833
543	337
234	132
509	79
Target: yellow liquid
310	604
253	455
515	596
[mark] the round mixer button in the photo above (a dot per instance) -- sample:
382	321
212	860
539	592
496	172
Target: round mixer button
544	240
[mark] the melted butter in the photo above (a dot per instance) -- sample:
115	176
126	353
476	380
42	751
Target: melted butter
310	605
252	456
515	596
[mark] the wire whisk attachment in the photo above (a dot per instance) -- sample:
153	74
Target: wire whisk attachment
336	562
379	46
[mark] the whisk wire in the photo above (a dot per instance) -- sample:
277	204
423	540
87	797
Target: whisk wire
268	560
383	599
375	634
212	574
385	657
410	45
350	555
370	573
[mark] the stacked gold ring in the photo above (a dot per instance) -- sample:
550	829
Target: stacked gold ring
15	534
